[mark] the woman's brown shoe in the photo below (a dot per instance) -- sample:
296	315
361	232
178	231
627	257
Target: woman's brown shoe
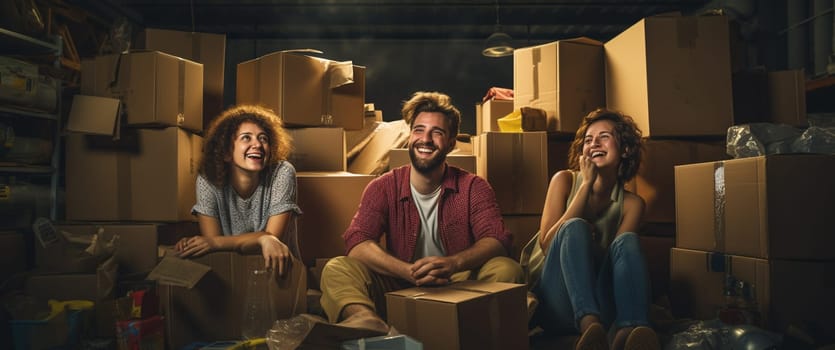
594	338
642	338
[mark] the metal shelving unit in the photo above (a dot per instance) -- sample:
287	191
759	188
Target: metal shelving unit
21	46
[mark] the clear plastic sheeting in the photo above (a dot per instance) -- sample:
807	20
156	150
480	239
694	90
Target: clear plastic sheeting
759	139
288	334
715	335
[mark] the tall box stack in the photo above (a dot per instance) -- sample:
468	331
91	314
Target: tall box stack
757	221
673	75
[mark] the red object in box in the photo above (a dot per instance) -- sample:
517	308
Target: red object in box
141	334
145	303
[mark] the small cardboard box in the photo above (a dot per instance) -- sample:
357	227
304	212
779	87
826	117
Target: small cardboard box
331	195
300	89
147	175
516	166
212	309
156	88
318	149
770	97
489	113
564	78
206	48
764	207
400	156
786	292
463	315
672	74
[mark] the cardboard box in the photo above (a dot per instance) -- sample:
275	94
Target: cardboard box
400	156
157	89
564	78
463	315
212	310
787	97
318	149
373	157
489	112
206	48
655	181
136	251
516	165
764	207
787	292
770	97
334	196
147	175
672	74
297	87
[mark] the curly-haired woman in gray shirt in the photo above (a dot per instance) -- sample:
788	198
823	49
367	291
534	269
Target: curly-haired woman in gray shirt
246	189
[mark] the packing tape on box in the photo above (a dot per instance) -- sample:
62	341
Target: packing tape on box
181	92
536	60
719	205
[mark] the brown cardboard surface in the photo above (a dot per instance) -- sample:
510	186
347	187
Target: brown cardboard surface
656	250
787	97
329	201
655	181
400	156
787	291
516	166
373	158
156	88
463	315
318	149
489	112
564	78
211	311
672	74
523	227
148	175
292	85
206	48
771	209
94	115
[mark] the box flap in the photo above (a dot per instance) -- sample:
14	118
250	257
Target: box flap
94	115
178	272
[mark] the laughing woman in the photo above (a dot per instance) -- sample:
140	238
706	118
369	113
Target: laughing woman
593	274
246	189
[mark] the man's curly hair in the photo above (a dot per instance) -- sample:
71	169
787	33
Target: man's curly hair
628	137
423	101
219	140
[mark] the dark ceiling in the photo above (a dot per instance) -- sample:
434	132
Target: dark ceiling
390	19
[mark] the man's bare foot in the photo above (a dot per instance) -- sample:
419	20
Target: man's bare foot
365	319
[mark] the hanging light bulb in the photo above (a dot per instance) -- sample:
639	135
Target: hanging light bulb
498	43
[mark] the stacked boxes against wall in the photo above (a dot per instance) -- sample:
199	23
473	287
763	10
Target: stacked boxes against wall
753	242
132	152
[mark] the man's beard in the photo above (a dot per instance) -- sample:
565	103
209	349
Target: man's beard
426	166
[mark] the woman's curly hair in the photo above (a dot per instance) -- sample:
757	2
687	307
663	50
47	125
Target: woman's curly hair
423	101
219	140
628	137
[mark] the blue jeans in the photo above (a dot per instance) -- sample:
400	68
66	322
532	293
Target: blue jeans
573	284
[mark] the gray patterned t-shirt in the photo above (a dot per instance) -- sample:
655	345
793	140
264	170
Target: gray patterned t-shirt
238	215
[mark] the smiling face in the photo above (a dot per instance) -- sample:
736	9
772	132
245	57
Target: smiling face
600	144
429	141
250	148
